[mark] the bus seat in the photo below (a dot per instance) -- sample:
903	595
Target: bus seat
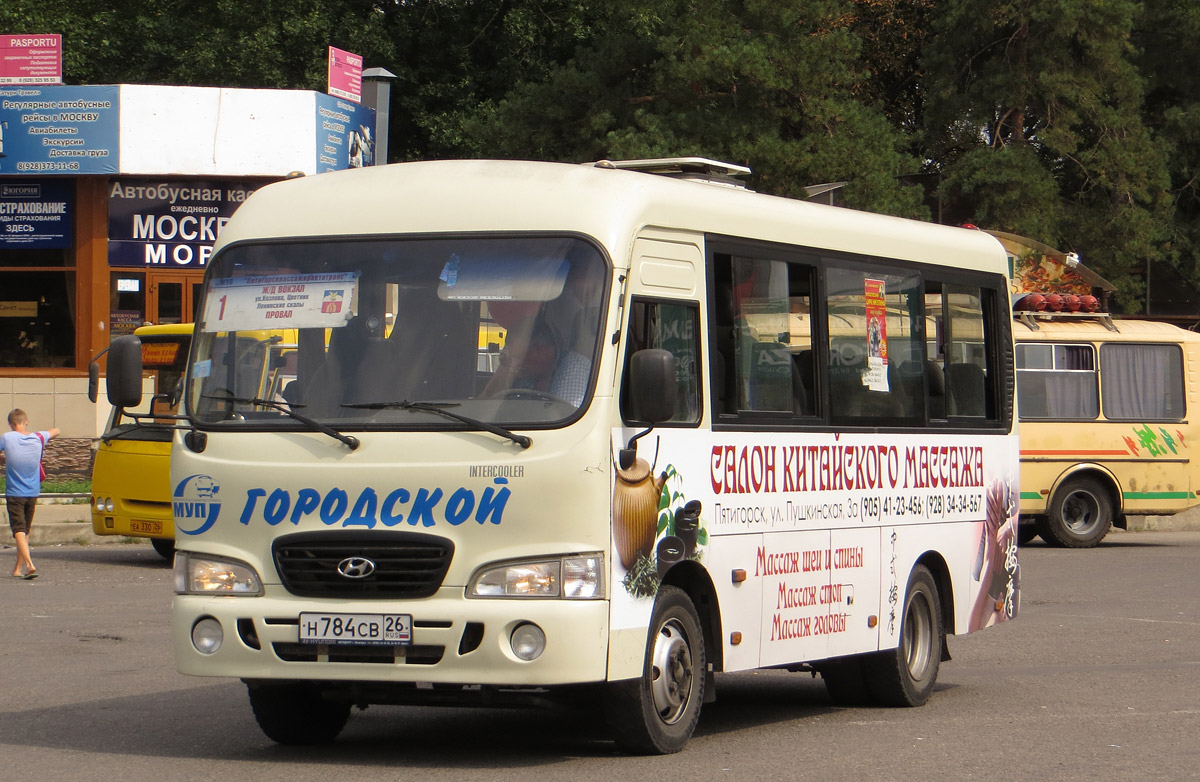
804	374
935	388
966	384
432	351
800	397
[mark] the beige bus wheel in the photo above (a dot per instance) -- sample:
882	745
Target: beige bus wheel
1079	516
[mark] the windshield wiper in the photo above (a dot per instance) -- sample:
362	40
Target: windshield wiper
440	409
286	409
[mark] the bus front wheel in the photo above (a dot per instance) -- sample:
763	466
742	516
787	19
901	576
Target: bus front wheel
905	676
1079	516
656	713
164	547
297	713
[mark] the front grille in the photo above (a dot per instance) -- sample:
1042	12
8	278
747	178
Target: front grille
380	655
405	564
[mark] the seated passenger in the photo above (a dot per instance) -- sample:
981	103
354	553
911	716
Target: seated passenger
540	365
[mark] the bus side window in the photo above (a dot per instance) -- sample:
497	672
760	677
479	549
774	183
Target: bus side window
963	354
969	394
762	337
673	326
875	326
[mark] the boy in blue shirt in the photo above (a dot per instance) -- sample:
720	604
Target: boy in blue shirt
22	451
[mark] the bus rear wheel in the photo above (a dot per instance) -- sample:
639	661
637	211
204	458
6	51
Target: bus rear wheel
1079	516
905	676
656	713
296	713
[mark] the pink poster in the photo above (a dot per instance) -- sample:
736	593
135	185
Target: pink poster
31	59
345	74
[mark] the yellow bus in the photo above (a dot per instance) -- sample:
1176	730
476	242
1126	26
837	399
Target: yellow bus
1107	409
726	431
131	492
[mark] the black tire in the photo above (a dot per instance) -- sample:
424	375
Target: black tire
846	682
905	676
656	713
296	713
1079	516
164	547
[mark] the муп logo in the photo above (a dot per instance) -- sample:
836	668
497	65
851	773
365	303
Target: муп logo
196	504
356	567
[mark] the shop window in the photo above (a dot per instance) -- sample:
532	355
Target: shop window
37	315
126	302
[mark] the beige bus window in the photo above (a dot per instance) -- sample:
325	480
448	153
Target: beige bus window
1142	382
1056	382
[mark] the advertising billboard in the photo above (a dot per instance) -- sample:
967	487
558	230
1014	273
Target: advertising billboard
59	130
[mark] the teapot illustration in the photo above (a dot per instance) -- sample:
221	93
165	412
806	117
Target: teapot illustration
635	510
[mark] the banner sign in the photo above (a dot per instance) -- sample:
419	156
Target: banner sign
37	214
293	301
345	74
31	59
345	135
169	224
59	130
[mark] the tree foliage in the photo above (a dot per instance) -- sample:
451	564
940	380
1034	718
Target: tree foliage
1019	92
1070	121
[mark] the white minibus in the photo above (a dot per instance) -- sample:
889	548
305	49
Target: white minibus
726	431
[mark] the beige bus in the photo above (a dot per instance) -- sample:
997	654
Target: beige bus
1106	409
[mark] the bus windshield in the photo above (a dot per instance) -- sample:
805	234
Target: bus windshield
400	333
164	356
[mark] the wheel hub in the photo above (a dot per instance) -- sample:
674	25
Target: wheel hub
671	673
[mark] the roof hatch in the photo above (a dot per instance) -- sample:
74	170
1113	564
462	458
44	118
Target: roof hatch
697	169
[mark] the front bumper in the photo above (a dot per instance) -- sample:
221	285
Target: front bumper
455	640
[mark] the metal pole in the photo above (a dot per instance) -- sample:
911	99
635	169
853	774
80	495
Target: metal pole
378	96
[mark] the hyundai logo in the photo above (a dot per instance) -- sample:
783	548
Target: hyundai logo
356	567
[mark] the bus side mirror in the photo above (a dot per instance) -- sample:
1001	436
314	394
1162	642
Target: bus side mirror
93	382
653	386
125	371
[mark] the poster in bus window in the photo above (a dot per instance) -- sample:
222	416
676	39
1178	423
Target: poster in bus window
876	376
295	301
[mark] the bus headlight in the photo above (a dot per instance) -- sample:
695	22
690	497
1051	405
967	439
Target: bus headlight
577	577
196	574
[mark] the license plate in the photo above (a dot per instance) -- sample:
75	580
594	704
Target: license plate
379	629
151	527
